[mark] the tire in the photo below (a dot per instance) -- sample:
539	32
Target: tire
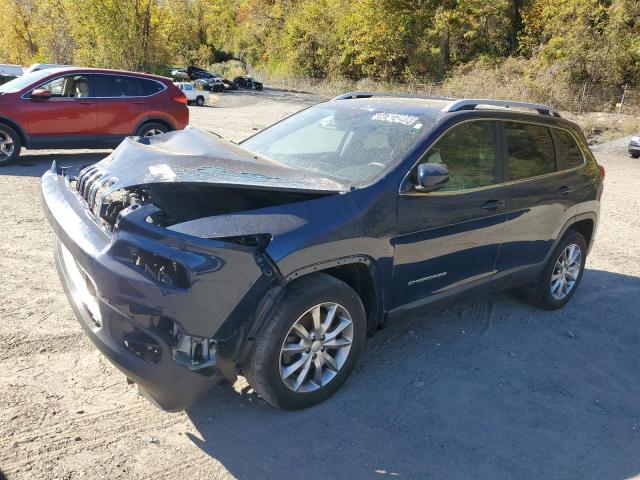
542	292
635	155
268	364
150	129
199	100
10	145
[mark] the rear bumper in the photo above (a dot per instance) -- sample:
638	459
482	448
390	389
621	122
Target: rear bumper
634	149
139	323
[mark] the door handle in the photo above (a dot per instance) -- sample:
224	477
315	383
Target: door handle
493	204
565	190
138	103
85	103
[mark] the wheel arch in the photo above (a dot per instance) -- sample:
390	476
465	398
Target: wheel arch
586	222
153	119
10	123
360	272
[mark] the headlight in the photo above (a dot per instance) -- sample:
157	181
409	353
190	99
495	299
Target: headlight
635	139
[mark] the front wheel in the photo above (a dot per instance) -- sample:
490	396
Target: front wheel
562	274
151	129
635	155
310	343
200	101
10	145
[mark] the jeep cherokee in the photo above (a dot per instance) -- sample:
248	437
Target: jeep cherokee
188	259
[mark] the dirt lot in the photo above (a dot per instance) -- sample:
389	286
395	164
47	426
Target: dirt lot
489	388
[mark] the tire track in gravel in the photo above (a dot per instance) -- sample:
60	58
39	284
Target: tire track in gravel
69	437
17	345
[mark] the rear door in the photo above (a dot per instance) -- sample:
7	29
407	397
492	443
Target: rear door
67	119
540	193
122	104
449	239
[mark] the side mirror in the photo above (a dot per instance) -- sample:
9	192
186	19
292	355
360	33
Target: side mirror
40	94
431	176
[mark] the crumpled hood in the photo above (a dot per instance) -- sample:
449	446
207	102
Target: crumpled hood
195	156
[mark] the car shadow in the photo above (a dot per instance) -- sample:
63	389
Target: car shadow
34	164
486	388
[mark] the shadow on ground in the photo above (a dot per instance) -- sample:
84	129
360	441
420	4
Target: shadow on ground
490	388
34	164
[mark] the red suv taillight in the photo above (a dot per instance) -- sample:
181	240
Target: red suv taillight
180	98
601	171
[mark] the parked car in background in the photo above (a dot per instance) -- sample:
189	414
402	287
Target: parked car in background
194	93
44	66
228	84
4	78
634	146
274	257
247	83
85	108
11	70
211	84
196	73
180	74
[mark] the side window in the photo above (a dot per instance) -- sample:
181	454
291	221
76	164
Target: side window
109	86
187	86
71	86
469	153
569	154
149	87
529	150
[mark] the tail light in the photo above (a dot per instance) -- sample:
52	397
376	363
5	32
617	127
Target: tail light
180	98
601	171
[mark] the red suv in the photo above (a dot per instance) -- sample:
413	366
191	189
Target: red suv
85	108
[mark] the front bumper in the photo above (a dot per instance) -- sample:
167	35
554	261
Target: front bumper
167	384
135	320
634	148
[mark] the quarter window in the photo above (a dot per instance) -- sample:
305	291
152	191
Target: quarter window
529	150
149	87
469	153
569	154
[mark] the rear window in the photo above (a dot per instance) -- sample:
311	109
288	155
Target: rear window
530	150
569	154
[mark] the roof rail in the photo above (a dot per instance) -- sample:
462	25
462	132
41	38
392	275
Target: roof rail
354	95
473	103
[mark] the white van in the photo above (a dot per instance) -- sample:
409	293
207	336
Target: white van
13	70
43	66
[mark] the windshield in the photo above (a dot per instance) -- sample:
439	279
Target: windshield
353	141
27	79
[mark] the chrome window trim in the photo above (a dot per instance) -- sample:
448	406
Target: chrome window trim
164	87
494	185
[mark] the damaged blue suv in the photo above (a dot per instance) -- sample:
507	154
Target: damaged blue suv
188	259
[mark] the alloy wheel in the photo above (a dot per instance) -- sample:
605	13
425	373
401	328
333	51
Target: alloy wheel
566	271
153	131
6	146
316	347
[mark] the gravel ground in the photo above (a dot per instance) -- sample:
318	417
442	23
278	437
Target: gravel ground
487	388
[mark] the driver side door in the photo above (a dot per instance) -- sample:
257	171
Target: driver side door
448	239
66	120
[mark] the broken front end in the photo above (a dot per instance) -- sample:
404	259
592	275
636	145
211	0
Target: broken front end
161	305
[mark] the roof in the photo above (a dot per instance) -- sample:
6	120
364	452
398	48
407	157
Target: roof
450	105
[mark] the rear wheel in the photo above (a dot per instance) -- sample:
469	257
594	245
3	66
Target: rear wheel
200	100
310	343
151	129
10	145
562	274
635	155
